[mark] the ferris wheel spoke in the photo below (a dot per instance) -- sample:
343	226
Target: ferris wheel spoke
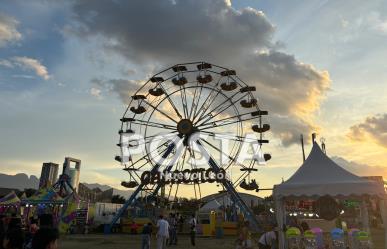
209	117
197	101
229	137
163	113
183	96
205	105
153	124
148	139
219	150
146	156
193	103
171	102
220	121
215	125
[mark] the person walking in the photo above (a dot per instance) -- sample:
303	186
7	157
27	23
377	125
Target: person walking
146	236
245	236
180	222
162	232
192	224
268	240
173	230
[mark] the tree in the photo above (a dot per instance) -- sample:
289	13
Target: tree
118	199
29	192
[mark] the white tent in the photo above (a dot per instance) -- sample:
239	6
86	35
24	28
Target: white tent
211	206
320	176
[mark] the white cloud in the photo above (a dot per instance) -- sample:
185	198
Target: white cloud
373	128
95	92
382	26
8	31
32	64
6	63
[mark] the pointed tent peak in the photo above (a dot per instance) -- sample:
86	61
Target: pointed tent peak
319	176
319	168
10	199
23	196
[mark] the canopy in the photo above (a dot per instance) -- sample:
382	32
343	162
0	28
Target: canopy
211	206
45	195
10	199
319	176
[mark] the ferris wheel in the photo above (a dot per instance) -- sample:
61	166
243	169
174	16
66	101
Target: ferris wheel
189	125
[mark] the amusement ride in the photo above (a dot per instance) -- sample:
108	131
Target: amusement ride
178	116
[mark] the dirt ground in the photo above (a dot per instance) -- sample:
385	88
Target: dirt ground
134	241
124	241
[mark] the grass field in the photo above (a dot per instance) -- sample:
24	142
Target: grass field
124	241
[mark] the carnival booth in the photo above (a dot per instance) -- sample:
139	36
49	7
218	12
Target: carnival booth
9	203
325	182
44	202
219	217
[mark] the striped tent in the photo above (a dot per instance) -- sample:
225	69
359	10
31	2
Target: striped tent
45	195
10	199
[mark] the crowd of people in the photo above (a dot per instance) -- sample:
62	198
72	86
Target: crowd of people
33	236
167	231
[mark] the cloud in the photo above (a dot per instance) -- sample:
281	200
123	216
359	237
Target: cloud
372	128
6	63
289	86
95	92
163	33
162	30
361	169
32	64
124	88
8	31
289	129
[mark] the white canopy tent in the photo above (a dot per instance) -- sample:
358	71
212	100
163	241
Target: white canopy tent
320	176
211	206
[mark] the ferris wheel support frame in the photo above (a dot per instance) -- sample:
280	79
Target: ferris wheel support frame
248	213
132	198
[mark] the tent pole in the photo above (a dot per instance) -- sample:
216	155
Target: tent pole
383	213
302	146
280	217
364	216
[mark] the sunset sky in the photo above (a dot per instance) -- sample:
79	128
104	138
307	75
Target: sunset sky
319	66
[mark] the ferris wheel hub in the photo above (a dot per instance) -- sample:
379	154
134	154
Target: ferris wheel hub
185	127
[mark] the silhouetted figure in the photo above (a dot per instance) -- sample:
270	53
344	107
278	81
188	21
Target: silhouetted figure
2	231
193	224
46	238
13	239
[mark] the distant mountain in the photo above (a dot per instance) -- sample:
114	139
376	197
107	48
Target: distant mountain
97	185
22	181
19	181
124	193
360	169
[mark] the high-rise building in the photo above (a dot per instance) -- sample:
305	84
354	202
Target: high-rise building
72	172
49	174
